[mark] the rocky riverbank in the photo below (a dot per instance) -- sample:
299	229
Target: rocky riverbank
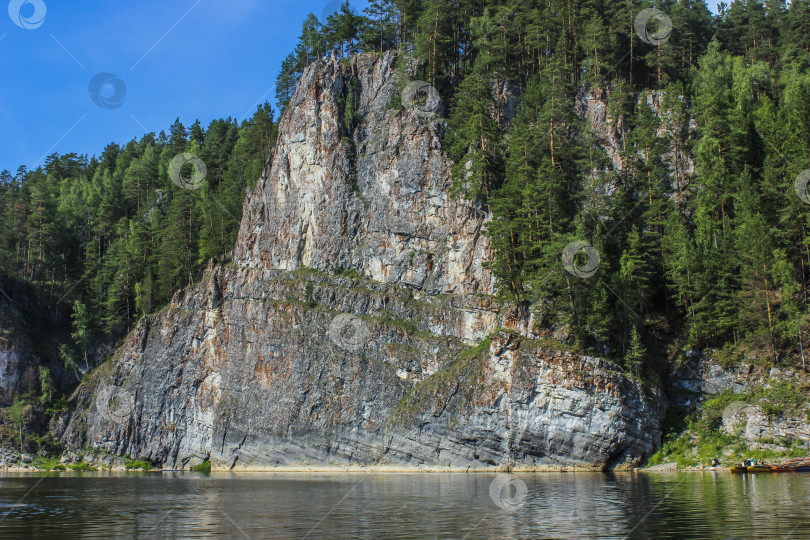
732	411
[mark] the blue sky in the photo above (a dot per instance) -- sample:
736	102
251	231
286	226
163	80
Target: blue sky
190	59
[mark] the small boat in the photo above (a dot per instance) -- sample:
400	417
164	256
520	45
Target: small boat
791	469
761	468
794	465
791	465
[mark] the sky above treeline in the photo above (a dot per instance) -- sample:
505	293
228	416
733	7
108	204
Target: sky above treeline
148	62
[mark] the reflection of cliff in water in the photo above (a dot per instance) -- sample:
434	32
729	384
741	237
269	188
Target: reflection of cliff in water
288	505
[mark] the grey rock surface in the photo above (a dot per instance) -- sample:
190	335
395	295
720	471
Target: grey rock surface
243	371
375	200
276	360
761	430
698	376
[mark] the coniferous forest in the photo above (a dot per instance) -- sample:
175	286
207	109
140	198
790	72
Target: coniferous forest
701	234
102	241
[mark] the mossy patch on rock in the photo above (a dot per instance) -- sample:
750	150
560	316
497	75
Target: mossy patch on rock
436	391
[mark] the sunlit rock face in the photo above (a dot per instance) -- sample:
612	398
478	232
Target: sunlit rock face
350	329
375	200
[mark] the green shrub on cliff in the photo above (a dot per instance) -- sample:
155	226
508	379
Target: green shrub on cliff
204	467
139	464
48	464
82	467
464	371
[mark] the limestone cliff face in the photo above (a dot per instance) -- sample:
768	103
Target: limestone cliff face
375	200
277	360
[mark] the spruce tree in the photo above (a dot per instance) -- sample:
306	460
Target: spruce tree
476	140
634	358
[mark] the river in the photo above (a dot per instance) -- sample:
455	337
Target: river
429	505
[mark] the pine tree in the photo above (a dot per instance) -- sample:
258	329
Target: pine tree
434	42
197	133
596	44
379	33
81	322
178	138
119	301
755	242
407	15
791	320
635	273
42	230
20	414
286	81
516	223
798	22
47	385
342	30
634	358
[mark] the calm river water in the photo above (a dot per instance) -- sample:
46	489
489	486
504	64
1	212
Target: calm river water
357	505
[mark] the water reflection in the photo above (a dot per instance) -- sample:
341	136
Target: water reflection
176	505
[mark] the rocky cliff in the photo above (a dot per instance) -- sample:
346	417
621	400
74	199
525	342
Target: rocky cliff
352	326
374	199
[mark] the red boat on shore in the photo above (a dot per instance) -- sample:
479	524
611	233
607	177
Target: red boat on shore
793	465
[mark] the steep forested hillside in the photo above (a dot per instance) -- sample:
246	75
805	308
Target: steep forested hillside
699	230
698	224
107	240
